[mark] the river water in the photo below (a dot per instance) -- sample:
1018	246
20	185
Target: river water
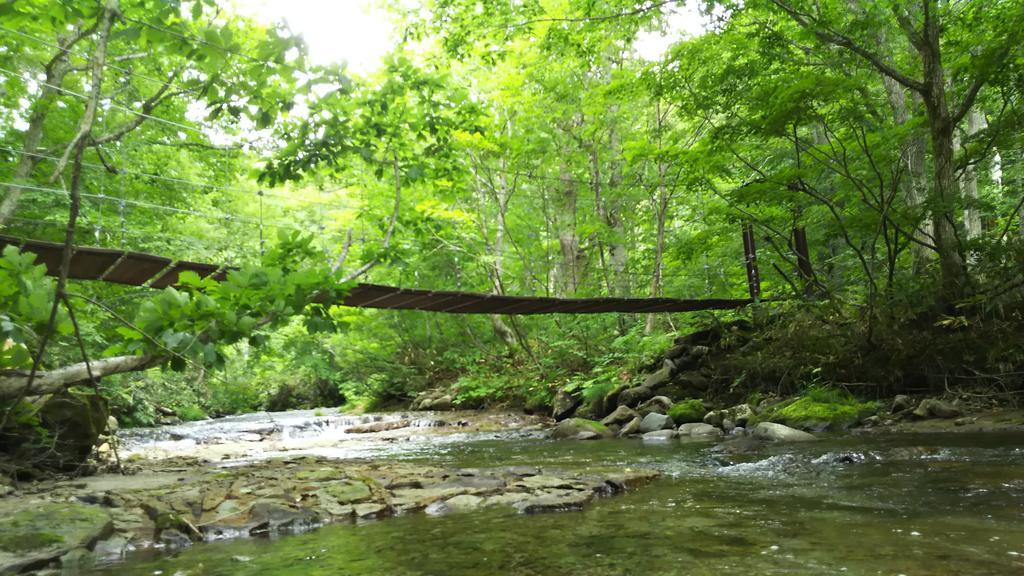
903	504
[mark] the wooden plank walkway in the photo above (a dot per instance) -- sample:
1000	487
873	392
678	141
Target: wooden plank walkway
141	269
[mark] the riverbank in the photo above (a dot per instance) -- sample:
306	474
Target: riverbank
921	503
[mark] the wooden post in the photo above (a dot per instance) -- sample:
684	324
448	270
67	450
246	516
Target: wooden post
750	256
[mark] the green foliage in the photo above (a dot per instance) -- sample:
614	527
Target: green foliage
688	410
191	413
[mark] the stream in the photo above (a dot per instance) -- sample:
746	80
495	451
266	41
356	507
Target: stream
923	504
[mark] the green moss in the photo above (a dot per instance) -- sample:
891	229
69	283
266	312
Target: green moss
820	408
689	410
21	542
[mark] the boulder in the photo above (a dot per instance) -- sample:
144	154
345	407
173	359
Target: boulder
565	403
901	403
620	416
698	429
676	352
693	381
662	376
32	536
634	396
780	433
714	418
658	404
688	410
654	421
75	420
632	427
573	427
441	404
659	435
934	408
741	414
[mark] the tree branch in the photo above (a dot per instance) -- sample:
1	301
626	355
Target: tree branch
391	226
829	36
12	384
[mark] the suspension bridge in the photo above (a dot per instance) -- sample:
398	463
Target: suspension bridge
156	272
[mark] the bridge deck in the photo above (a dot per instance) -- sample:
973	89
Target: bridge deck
141	269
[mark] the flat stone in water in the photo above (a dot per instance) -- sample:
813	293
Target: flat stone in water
555	502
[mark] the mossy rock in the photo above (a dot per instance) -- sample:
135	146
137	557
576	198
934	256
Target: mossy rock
809	413
572	427
30	537
689	410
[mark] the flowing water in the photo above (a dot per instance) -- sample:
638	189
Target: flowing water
909	504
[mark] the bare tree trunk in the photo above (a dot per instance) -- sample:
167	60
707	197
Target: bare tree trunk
52	381
661	210
501	195
969	182
915	184
571	266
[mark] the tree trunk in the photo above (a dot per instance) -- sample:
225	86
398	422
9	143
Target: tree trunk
946	192
915	183
12	385
969	183
571	265
661	210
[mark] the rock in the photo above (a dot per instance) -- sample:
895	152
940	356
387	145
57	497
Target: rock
780	433
555	502
693	382
698	429
461	503
738	431
658	404
688	410
378	427
75	420
348	492
271	517
659	435
34	536
676	352
370	510
440	404
654	421
620	416
741	414
633	427
565	403
591	435
714	418
871	421
173	539
661	377
570	428
112	425
634	396
934	408
901	403
728	425
542	482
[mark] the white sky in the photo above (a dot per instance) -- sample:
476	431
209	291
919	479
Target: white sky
357	32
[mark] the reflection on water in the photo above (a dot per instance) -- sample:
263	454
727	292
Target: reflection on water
914	505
